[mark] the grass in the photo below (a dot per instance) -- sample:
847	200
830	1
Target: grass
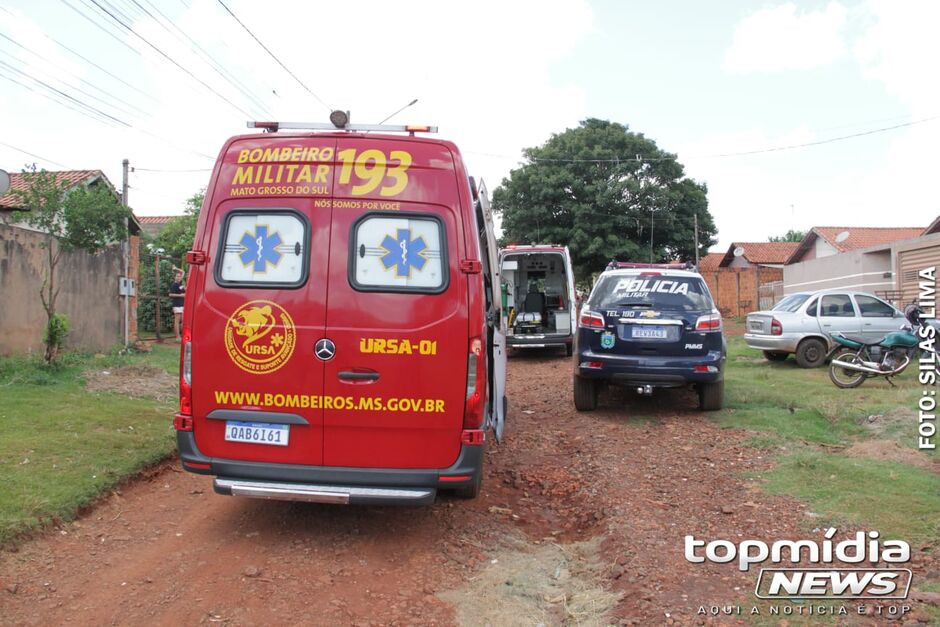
61	446
825	412
897	499
810	422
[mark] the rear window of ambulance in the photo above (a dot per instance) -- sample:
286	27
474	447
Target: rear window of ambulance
398	252
263	248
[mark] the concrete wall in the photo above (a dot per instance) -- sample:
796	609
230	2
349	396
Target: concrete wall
855	270
88	294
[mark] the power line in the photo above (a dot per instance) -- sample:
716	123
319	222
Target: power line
93	64
247	30
639	158
170	171
89	111
102	28
54	99
26	152
206	57
78	89
830	140
168	58
77	101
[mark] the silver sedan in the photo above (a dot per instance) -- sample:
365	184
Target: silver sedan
803	324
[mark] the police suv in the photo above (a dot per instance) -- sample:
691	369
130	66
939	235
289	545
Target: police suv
648	326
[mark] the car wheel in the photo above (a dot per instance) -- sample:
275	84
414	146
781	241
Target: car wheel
811	353
585	394
711	396
775	356
568	350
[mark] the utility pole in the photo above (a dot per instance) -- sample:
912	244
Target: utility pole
696	240
125	163
651	235
127	262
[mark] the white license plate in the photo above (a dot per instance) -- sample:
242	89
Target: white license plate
653	333
257	432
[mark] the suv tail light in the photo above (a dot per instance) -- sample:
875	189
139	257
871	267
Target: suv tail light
476	379
591	319
711	322
184	420
775	327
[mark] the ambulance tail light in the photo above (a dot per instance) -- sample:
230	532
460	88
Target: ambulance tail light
476	379
184	420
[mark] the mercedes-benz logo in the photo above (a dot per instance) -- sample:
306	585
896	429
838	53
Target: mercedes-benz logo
324	349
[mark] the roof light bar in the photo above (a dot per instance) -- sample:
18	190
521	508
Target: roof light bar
676	265
272	127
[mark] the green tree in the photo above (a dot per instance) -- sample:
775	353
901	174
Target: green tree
177	236
78	218
789	236
606	193
171	243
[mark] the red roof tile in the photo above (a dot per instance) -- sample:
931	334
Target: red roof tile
856	237
155	219
763	252
863	237
710	261
70	177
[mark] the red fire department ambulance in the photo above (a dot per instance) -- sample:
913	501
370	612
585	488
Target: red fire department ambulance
340	335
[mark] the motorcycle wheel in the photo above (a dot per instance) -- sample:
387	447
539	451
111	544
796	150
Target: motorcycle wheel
843	377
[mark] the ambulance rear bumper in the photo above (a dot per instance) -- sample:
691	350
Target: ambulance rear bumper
331	484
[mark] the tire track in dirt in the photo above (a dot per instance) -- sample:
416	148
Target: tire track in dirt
165	550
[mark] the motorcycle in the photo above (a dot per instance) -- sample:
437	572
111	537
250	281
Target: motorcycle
856	359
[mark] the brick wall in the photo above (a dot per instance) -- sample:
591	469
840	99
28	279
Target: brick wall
735	290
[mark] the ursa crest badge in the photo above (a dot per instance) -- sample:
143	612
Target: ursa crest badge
260	337
607	340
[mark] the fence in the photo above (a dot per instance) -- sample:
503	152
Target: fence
769	294
155	311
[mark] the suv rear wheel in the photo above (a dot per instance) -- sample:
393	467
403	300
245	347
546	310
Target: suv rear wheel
811	353
585	394
711	396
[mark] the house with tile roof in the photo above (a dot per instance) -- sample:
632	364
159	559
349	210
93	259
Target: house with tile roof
710	261
152	225
768	254
747	276
822	241
88	285
71	178
884	261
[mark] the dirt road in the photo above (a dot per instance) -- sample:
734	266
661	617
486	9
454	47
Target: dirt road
582	520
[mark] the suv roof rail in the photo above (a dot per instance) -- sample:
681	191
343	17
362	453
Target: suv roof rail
675	265
273	127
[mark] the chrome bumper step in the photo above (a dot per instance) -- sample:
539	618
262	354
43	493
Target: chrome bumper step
341	495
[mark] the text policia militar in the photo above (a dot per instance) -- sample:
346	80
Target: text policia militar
862	548
927	374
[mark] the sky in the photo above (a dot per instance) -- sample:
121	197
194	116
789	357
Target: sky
736	89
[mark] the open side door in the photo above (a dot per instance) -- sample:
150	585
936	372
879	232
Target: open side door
496	321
